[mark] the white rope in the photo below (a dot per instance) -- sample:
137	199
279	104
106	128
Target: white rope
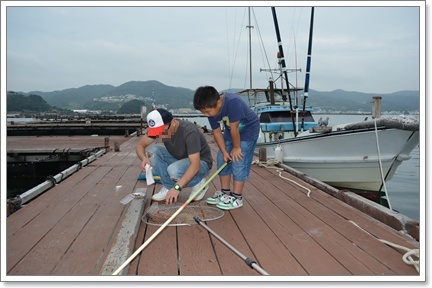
380	165
407	257
270	163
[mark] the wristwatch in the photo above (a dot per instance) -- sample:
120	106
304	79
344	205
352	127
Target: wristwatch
177	187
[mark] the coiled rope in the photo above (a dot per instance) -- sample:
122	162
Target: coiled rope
407	257
270	163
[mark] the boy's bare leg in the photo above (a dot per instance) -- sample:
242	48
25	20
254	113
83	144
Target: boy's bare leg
225	182
238	187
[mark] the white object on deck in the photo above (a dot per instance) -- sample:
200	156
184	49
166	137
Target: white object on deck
149	175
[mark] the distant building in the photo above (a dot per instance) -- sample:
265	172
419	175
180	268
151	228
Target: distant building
185	110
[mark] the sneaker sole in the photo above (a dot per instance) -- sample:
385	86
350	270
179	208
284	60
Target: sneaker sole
212	203
228	207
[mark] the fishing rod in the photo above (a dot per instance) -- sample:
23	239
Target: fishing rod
251	263
169	220
308	64
282	59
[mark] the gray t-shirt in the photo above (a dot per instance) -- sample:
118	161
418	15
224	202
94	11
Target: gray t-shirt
189	140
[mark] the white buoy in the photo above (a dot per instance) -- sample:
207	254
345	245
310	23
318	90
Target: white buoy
279	153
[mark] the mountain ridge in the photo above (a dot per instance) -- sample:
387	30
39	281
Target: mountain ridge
154	92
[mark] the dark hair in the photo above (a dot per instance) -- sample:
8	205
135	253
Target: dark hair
205	97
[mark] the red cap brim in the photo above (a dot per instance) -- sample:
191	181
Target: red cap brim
155	131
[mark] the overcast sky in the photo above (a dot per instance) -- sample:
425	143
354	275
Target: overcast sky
366	49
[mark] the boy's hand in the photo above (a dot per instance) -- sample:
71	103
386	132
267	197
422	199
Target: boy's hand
226	157
236	154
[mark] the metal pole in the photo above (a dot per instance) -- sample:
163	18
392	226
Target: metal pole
308	66
251	263
168	221
282	60
250	50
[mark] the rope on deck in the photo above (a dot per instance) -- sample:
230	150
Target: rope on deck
270	163
407	257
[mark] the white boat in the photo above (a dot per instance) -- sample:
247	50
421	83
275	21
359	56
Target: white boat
357	156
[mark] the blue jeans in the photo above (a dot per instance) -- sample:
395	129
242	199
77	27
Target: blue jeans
240	169
171	169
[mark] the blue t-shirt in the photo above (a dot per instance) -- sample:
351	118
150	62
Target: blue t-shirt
235	109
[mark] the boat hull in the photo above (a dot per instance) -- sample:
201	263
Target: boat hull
347	159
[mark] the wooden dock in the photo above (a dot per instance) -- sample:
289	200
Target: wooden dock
80	228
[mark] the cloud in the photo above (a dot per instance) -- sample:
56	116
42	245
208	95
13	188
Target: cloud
52	48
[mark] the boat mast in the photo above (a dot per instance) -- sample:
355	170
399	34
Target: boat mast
295	90
250	49
283	66
308	63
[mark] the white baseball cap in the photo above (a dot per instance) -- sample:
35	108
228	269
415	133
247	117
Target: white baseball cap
156	121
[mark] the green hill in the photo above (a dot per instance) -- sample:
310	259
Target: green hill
17	102
111	98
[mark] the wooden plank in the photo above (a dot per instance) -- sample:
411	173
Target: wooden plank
230	263
120	158
159	257
268	249
25	239
106	222
45	200
196	254
24	215
61	142
350	235
376	249
61	239
266	255
74	226
306	235
133	266
124	240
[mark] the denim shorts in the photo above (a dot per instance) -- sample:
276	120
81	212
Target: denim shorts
240	169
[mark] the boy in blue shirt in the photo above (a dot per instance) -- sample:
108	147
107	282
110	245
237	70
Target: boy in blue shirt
237	142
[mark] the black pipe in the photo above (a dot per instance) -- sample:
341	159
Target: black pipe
283	66
308	64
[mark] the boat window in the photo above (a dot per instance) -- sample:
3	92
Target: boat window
283	116
265	118
307	117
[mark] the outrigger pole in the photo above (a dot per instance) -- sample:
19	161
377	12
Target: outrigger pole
251	263
168	221
282	57
308	64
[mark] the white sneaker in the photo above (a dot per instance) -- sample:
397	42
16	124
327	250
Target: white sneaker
230	202
218	197
161	195
198	186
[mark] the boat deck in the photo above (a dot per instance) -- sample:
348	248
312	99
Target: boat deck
80	228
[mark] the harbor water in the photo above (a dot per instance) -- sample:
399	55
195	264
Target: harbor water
403	190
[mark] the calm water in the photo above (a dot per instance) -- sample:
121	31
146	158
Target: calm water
21	119
403	190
